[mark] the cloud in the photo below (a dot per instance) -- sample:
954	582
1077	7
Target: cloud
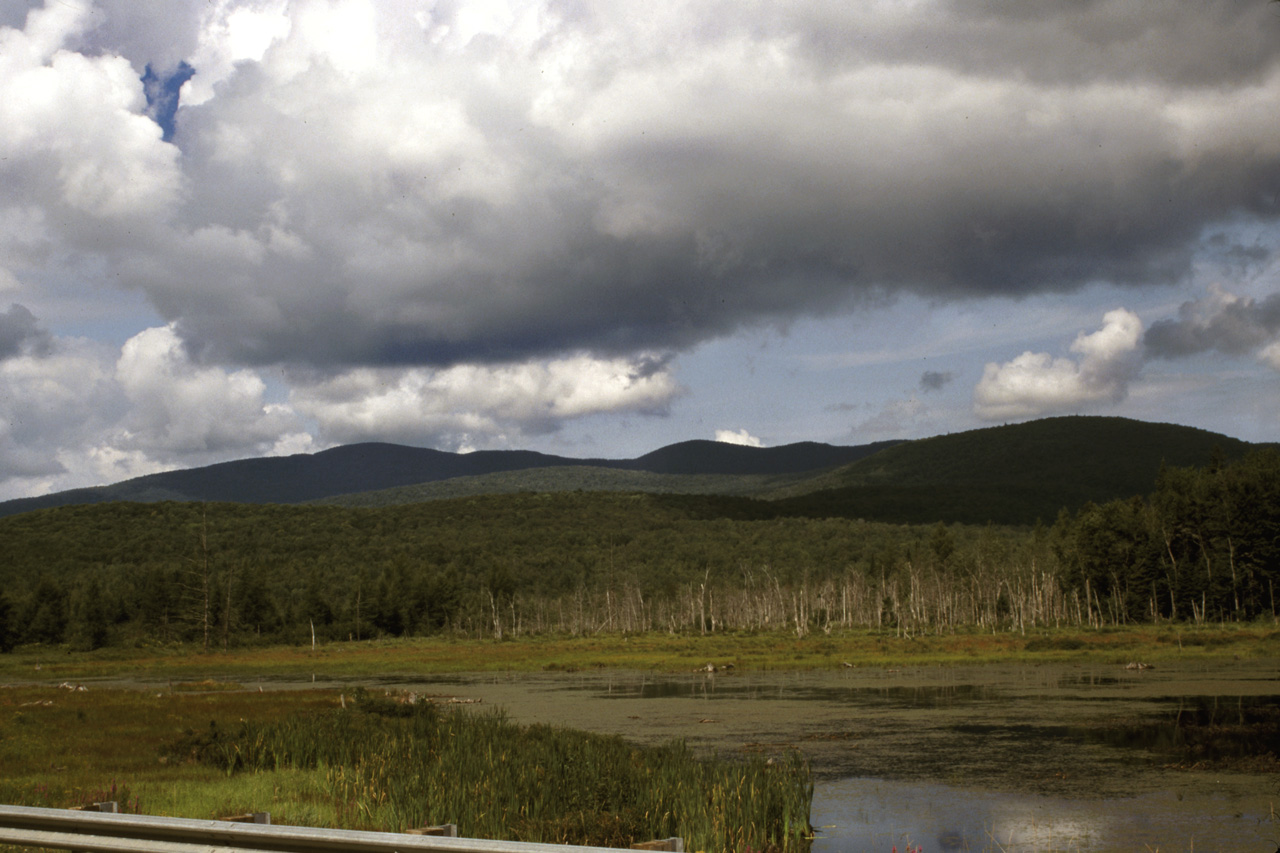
1035	384
896	419
470	405
471	223
20	332
52	403
434	184
75	413
741	437
1220	321
933	380
179	410
1270	355
74	139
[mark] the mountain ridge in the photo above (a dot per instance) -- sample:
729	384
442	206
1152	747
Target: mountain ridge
375	466
1011	474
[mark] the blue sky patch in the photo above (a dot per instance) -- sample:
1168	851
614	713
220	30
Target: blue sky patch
162	96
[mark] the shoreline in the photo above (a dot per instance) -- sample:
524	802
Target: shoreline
1150	645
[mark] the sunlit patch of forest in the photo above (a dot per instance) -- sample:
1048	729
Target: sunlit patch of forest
1203	546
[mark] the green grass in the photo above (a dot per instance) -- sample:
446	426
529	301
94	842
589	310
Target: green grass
653	652
61	747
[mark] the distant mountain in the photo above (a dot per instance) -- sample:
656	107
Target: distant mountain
575	478
1011	474
717	457
1014	474
360	468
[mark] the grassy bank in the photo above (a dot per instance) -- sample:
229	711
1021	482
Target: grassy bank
373	762
62	747
653	652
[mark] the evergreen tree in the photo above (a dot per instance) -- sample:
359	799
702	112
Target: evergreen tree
87	625
46	616
6	623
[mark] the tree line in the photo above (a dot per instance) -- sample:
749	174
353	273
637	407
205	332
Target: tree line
1205	545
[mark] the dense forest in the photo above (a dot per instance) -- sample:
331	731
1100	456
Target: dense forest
1204	545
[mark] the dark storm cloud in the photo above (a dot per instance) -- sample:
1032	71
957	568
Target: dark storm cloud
13	13
933	380
1057	44
21	333
431	186
1221	322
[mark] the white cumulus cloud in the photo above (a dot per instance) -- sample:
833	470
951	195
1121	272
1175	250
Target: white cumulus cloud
76	413
473	405
74	134
741	436
52	404
1036	383
179	408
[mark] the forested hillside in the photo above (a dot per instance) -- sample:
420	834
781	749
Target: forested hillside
360	468
1204	545
1017	474
577	478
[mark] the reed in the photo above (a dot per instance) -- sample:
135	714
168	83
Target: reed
391	765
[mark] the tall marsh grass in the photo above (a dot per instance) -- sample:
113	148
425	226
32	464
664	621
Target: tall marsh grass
395	766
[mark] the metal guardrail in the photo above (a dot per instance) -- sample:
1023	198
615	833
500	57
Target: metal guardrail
103	832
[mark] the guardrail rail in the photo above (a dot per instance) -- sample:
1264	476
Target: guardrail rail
106	832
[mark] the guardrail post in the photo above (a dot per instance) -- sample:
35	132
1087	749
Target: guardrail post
448	830
670	845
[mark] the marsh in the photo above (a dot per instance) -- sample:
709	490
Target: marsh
1088	757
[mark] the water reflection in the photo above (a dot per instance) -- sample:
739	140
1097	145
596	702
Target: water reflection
870	814
1217	730
729	687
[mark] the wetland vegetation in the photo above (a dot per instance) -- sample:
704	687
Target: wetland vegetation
388	762
1081	754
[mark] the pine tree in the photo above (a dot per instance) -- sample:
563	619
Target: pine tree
6	623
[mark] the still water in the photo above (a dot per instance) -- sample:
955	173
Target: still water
1003	758
1043	759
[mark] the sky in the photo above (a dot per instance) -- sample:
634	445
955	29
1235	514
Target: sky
234	228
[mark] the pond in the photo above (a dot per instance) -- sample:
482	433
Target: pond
1048	757
963	758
